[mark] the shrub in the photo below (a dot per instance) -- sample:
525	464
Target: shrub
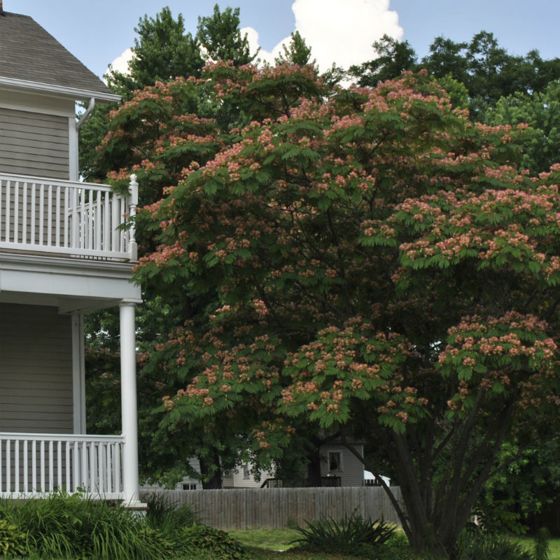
75	527
218	545
476	545
13	541
167	516
353	534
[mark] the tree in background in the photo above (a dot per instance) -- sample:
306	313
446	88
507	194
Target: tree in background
162	51
221	38
541	111
485	68
392	58
297	51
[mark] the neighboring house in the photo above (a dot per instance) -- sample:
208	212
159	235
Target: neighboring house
63	254
340	465
244	477
240	477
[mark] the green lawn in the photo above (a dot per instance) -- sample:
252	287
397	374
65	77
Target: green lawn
273	543
554	547
277	540
266	554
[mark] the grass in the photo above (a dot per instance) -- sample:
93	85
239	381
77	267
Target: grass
276	540
273	543
266	554
554	547
276	543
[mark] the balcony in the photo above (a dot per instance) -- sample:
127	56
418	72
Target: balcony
66	218
35	465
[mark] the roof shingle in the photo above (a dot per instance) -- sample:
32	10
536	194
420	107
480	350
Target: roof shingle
28	52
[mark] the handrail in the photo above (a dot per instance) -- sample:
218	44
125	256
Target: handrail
61	437
61	182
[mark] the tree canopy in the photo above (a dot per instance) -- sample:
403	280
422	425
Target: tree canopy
366	263
485	68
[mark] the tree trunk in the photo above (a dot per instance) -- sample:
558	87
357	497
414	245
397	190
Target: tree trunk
314	469
211	472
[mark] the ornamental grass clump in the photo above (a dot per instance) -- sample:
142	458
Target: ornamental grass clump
476	545
70	527
351	535
167	516
13	541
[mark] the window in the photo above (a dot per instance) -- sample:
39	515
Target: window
189	486
246	472
335	461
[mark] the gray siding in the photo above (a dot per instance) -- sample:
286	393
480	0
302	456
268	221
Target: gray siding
35	370
34	144
352	473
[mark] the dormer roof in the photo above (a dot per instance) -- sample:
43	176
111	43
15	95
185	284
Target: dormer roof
32	59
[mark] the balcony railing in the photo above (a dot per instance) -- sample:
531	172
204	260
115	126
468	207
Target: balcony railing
35	465
83	220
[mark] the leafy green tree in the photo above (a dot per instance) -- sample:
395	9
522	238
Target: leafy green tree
541	111
392	58
485	68
446	57
526	481
371	261
162	51
297	51
221	38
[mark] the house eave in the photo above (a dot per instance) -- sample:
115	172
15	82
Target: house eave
74	93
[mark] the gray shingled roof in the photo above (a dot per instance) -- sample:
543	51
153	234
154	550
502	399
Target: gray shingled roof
29	53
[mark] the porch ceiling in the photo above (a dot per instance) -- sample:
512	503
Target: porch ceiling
64	304
64	283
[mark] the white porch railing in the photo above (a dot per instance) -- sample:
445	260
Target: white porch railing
35	465
69	218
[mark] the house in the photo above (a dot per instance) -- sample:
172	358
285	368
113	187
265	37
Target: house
339	466
239	477
244	476
63	253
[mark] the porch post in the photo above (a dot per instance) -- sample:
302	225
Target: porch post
128	403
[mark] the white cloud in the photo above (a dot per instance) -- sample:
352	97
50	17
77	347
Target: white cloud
121	63
254	44
339	31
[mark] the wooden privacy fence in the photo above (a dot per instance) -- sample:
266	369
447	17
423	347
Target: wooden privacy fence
276	508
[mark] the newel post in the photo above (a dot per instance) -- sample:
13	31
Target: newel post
128	403
133	203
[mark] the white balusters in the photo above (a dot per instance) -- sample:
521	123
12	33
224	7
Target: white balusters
33	465
69	218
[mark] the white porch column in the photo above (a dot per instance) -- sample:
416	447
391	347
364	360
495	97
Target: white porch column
128	403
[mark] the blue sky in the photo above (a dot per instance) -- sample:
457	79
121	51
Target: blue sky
98	31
